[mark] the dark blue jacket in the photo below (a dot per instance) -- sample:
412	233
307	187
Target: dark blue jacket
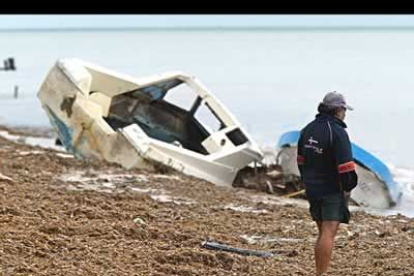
325	157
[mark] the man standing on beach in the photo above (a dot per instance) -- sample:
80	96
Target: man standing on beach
327	170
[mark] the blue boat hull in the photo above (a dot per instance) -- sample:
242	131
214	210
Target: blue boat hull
376	187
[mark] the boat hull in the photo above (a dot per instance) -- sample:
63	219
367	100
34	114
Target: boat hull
375	189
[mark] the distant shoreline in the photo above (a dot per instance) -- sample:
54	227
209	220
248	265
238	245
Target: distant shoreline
221	28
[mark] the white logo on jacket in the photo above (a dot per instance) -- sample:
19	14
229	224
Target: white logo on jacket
310	146
312	141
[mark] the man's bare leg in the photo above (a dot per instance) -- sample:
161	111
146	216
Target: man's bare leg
324	245
319	224
317	256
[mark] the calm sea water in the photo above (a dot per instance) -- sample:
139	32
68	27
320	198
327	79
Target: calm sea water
272	80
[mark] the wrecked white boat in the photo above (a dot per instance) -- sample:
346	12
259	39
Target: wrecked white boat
169	119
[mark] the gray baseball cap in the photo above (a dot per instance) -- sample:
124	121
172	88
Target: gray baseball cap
335	99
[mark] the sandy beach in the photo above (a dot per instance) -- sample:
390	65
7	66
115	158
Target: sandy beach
64	216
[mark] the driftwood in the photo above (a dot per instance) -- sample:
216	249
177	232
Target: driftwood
269	179
228	248
301	192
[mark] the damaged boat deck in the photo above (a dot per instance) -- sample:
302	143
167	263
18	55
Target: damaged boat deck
169	119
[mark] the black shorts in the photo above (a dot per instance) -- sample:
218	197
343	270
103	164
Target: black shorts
333	207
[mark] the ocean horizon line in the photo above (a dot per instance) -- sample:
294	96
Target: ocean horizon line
213	28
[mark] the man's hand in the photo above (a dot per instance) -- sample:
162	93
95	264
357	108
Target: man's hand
347	195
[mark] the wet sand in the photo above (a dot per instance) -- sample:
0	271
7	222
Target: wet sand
63	216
